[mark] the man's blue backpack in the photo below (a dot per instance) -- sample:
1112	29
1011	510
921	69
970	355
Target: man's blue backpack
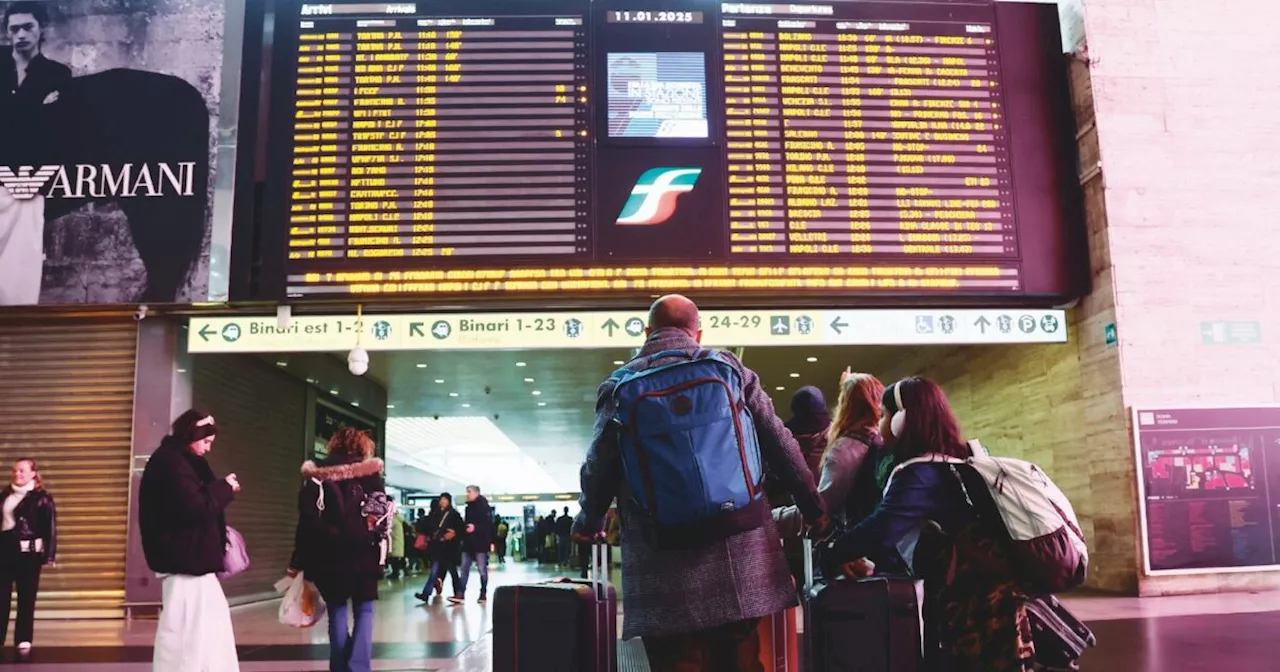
690	452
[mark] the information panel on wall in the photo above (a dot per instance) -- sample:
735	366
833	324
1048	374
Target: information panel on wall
615	148
1209	484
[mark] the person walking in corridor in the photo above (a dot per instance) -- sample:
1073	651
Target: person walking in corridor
181	516
444	531
28	542
694	591
475	545
336	548
564	541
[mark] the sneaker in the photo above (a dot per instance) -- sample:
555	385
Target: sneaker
482	599
24	651
424	598
456	599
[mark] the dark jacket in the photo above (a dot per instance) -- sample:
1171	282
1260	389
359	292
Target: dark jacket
564	525
917	495
35	518
809	423
479	514
180	512
333	546
740	577
440	549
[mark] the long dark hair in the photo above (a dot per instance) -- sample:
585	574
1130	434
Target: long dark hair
930	425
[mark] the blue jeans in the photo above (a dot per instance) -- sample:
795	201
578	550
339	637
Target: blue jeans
438	570
351	651
481	560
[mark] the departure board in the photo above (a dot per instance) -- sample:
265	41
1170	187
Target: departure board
438	136
850	136
615	148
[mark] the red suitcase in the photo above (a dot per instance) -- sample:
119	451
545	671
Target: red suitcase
566	625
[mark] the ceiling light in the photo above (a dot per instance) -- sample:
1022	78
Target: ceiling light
618	362
439	381
355	403
528	380
313	381
184	371
812	360
542	403
333	392
521	364
466	405
282	363
537	393
453	394
780	388
422	366
795	375
390	406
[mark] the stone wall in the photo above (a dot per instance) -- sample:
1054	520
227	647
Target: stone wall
1185	95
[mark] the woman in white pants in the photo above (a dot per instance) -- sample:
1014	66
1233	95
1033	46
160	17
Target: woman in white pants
184	536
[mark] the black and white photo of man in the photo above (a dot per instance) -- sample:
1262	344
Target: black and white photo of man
28	82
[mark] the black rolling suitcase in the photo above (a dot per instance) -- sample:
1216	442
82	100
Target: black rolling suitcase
565	625
862	625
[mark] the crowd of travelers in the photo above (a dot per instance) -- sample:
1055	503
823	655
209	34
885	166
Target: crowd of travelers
880	484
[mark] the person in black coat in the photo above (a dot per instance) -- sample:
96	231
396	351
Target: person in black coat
28	542
181	507
334	546
445	528
476	543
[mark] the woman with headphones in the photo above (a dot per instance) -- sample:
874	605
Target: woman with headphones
979	617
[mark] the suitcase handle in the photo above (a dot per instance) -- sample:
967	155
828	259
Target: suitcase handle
808	565
597	572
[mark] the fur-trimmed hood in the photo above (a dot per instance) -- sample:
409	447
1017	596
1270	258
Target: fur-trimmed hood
342	472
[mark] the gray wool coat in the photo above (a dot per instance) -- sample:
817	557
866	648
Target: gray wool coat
680	591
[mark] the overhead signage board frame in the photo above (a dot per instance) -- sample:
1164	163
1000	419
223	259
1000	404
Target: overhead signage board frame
620	329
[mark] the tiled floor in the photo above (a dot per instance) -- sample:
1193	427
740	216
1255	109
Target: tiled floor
1218	633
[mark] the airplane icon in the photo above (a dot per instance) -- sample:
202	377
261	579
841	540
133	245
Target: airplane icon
781	325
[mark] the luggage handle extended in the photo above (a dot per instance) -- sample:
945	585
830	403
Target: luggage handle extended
597	572
808	565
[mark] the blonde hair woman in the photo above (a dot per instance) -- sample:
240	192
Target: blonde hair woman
853	448
28	541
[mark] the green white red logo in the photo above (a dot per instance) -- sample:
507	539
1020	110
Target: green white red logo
653	199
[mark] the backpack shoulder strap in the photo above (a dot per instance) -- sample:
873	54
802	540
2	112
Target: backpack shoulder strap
927	458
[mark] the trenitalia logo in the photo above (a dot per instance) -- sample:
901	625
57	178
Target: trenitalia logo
653	199
101	181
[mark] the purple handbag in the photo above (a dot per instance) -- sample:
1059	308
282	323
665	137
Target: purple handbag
236	559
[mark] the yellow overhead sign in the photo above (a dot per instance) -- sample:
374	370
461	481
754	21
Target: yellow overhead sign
619	329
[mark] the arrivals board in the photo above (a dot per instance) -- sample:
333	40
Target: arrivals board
1209	488
623	148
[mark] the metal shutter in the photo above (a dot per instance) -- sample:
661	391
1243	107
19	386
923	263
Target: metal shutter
68	403
261	416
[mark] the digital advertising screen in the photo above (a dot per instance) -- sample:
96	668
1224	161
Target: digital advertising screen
613	149
657	95
1208	480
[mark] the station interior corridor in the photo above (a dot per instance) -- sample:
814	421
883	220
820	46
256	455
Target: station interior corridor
1218	633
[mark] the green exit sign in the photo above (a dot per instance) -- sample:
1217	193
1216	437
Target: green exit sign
1231	333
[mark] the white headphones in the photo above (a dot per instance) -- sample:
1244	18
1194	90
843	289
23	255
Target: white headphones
899	420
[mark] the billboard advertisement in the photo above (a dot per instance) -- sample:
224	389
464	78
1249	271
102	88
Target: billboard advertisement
110	111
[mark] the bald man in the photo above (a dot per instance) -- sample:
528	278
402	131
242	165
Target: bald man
696	608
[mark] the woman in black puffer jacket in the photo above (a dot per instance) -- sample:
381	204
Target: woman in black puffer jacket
336	548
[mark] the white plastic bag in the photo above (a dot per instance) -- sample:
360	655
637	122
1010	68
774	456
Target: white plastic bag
302	606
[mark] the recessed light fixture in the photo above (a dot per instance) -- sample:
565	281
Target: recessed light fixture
311	380
466	405
422	366
537	393
812	360
390	406
453	394
333	392
528	380
184	371
618	362
521	364
780	388
439	381
355	403
795	375
542	403
281	362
